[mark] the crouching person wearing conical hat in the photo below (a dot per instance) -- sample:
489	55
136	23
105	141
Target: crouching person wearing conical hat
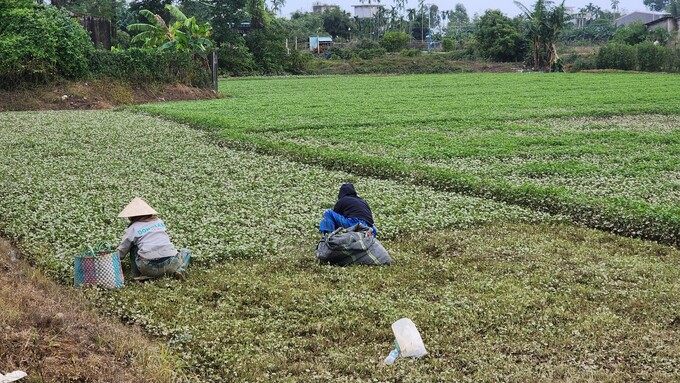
152	255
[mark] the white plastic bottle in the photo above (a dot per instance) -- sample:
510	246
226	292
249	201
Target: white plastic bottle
392	357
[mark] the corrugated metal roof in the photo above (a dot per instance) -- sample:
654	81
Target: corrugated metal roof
637	16
641	13
322	39
313	42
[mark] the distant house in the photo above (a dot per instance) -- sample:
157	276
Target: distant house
580	19
243	28
319	7
320	43
640	17
366	11
669	23
571	12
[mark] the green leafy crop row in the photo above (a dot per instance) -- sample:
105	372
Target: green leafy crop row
66	175
600	148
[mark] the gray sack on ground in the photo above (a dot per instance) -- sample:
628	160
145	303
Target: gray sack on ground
355	245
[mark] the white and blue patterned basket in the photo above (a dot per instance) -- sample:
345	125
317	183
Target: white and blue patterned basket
98	268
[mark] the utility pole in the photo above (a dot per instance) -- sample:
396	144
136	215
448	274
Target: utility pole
422	25
429	27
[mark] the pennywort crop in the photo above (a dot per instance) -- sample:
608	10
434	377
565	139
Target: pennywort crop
66	175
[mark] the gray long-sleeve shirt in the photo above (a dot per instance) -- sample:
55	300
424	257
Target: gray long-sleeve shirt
151	240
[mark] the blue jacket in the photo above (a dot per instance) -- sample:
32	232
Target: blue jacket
351	206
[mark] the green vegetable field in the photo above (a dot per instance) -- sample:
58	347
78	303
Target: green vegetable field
558	144
487	190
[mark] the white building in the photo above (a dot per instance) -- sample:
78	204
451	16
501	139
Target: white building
366	11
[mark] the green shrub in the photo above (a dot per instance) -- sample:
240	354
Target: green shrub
448	45
394	41
367	44
267	46
40	44
499	38
570	58
584	63
235	59
368	49
461	55
673	60
636	33
659	35
365	49
650	57
146	66
368	54
342	53
121	40
411	52
617	56
631	34
7	5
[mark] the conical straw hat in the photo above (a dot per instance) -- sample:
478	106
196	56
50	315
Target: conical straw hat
136	208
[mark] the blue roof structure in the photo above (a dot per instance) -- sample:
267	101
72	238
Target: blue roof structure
314	43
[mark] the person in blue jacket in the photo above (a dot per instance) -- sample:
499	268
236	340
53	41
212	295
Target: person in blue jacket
347	212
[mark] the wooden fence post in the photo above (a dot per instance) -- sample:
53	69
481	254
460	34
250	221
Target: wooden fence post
214	71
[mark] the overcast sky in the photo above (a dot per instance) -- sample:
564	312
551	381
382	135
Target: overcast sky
506	6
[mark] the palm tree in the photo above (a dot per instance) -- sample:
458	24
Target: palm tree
615	8
421	6
411	12
593	10
400	7
277	5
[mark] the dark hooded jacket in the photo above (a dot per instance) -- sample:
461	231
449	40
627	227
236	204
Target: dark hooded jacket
351	206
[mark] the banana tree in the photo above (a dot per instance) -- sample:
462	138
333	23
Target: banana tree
189	34
185	34
545	25
152	34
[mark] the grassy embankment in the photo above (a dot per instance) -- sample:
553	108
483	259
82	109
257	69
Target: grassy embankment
54	335
395	63
95	94
497	291
603	149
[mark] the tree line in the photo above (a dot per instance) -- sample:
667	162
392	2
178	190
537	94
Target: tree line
251	38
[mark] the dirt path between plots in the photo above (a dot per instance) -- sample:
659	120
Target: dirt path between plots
51	333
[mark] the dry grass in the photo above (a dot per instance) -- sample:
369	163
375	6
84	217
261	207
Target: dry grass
96	94
50	332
